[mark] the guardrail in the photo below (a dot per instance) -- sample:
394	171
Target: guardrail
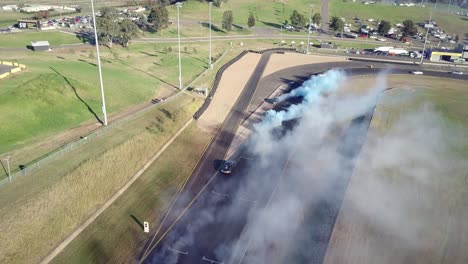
41	161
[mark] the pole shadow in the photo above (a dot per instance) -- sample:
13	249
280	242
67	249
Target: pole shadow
137	221
78	96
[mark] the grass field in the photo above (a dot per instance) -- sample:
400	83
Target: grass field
116	236
42	100
266	12
23	39
397	14
406	202
65	192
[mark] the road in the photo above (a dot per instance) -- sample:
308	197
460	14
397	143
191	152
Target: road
209	193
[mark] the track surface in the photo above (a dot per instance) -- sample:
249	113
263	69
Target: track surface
5	68
210	193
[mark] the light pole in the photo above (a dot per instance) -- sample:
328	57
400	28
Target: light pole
427	33
99	64
7	159
211	65
179	5
308	29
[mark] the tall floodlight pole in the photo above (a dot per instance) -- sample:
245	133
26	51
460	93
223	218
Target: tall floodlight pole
99	64
308	29
211	65
7	159
179	5
427	33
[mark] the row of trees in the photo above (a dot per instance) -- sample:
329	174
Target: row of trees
298	20
409	28
111	30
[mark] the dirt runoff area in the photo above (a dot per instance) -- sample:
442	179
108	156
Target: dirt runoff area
230	87
235	77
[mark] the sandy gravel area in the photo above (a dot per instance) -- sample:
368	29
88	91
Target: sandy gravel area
282	61
230	87
236	76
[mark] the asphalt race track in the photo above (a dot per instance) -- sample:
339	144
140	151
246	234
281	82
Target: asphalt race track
183	239
4	68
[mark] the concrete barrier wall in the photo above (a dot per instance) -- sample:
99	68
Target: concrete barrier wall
17	69
6	74
22	66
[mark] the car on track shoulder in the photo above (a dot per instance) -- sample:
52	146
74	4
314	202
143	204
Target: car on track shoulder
227	166
417	72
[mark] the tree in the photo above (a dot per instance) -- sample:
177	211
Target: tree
42	14
336	24
409	28
159	17
251	20
297	19
107	28
227	20
316	19
128	31
218	3
384	27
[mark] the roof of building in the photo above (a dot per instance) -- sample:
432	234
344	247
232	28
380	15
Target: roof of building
40	43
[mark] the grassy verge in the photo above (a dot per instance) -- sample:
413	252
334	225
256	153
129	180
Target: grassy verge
266	12
115	237
59	90
40	210
23	39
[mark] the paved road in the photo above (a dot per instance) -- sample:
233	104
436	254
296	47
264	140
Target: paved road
4	68
190	242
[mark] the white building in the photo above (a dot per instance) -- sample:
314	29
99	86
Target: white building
9	8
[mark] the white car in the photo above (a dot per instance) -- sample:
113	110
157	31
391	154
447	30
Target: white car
457	72
381	39
417	72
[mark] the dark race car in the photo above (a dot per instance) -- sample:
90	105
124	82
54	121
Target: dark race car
227	166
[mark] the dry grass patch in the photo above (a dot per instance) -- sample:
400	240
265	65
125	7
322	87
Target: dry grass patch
116	237
36	222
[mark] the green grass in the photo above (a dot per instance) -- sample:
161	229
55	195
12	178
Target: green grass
196	30
266	12
23	39
41	102
115	237
397	14
62	194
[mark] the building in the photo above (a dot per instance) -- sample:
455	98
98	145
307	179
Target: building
40	45
464	52
29	23
444	55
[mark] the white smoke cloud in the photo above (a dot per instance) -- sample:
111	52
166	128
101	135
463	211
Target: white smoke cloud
318	151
